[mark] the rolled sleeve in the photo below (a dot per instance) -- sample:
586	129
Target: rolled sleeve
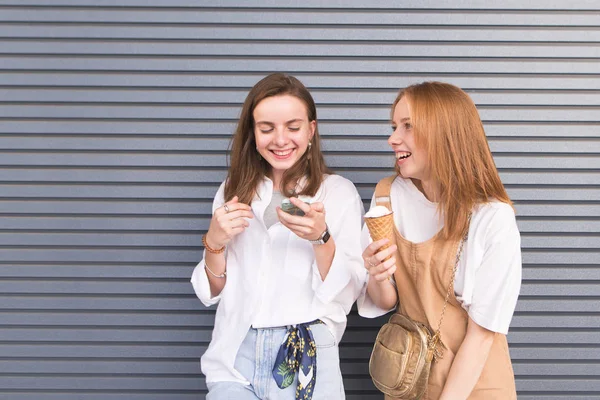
345	227
202	285
199	278
336	280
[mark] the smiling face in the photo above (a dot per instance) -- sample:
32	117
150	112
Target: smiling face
411	160
282	132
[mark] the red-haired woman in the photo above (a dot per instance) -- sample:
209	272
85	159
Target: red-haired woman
284	282
446	190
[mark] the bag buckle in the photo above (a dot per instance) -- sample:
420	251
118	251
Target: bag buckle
434	351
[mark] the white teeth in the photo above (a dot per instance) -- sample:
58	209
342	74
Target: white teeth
282	153
402	155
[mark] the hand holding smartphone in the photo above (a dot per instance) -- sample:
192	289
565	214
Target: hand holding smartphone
288	207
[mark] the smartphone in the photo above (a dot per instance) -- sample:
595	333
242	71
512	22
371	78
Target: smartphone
288	207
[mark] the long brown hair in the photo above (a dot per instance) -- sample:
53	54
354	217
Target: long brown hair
447	125
247	168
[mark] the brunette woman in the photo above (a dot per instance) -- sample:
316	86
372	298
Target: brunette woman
284	281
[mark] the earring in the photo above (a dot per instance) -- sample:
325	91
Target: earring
308	157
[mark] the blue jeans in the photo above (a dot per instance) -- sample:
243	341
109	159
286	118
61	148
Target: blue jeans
255	360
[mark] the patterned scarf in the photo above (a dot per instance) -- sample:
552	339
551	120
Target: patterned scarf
298	353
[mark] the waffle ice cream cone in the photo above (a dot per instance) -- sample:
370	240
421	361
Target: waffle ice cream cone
380	222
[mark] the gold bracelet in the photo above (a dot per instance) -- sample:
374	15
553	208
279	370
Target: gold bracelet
210	249
223	275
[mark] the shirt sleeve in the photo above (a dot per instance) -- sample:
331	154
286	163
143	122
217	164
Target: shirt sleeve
199	278
366	307
497	279
344	224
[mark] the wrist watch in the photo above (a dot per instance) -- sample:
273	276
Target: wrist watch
323	238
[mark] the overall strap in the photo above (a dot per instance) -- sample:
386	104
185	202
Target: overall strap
383	198
382	192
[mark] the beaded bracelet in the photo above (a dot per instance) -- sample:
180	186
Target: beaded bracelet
210	249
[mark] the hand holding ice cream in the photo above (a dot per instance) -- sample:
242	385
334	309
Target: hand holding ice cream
378	256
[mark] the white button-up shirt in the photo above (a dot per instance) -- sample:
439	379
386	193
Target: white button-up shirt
273	279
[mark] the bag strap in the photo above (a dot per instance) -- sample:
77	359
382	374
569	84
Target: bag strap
433	350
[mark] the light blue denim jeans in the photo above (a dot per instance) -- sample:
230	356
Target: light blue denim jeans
255	360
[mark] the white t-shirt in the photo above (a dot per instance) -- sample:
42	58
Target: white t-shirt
488	277
273	279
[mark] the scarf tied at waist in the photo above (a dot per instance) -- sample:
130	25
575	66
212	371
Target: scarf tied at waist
298	353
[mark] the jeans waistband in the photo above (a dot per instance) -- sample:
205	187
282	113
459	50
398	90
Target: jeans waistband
288	327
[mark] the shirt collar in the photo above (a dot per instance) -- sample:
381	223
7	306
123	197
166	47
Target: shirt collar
264	192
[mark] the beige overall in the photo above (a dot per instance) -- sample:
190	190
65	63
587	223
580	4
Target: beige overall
423	274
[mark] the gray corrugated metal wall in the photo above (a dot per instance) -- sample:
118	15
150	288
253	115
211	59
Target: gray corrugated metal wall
114	121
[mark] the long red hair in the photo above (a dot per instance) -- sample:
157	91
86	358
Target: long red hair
446	123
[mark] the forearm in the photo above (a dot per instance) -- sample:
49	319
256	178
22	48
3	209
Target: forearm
468	363
324	254
383	294
217	264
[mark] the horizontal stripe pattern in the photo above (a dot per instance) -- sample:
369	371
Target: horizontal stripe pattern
115	120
